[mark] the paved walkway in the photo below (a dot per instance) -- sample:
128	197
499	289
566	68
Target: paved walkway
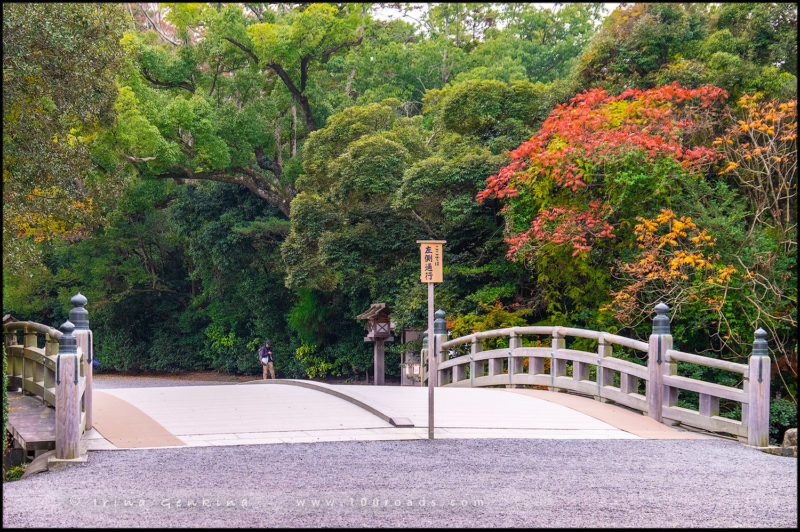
286	411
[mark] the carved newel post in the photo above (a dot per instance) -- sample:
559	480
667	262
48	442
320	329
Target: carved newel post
379	330
758	392
79	317
657	364
68	407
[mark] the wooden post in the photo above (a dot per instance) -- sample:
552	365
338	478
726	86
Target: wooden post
758	392
459	373
558	367
79	316
514	363
660	342
68	408
605	376
378	364
709	405
50	350
477	347
29	340
495	366
431	361
431	269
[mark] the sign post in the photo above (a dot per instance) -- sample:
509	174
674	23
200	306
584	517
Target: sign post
430	252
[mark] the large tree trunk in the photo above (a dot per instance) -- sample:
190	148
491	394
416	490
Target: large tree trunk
294	130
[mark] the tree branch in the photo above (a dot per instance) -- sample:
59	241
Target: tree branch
326	55
156	28
167	85
214	81
423	222
243	48
135	159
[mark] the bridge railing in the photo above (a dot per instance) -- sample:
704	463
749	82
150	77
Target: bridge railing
30	368
605	377
60	372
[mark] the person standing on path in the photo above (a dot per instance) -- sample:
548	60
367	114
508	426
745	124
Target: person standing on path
266	356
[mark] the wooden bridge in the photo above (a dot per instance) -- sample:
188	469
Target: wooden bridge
599	374
50	375
50	383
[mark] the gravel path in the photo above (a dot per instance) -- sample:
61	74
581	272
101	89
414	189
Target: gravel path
439	483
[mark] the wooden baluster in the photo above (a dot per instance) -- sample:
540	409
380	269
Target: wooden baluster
605	376
558	367
536	365
28	371
477	347
709	405
459	372
495	366
50	352
628	383
514	363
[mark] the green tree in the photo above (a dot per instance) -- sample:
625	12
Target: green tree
59	62
742	48
225	107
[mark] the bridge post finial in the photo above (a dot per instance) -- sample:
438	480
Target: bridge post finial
760	343
79	316
439	324
67	344
661	321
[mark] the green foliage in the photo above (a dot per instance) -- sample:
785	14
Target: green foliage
315	366
15	473
308	317
264	170
741	47
782	416
59	62
493	317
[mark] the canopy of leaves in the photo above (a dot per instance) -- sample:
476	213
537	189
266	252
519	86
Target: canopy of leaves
264	170
739	47
59	62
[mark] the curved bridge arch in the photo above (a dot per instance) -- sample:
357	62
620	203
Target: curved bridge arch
547	366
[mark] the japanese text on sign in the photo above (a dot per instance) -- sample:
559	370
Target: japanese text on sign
430	260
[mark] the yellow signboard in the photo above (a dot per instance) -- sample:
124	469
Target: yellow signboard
430	252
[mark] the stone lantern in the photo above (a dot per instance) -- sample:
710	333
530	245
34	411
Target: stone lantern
379	330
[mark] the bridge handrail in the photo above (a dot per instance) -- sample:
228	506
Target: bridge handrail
549	330
707	361
662	382
32	326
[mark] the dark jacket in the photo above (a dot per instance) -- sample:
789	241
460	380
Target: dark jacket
265	353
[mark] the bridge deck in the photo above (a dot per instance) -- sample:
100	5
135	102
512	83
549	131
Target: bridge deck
282	412
31	423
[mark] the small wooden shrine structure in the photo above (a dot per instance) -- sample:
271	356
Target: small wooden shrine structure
379	330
